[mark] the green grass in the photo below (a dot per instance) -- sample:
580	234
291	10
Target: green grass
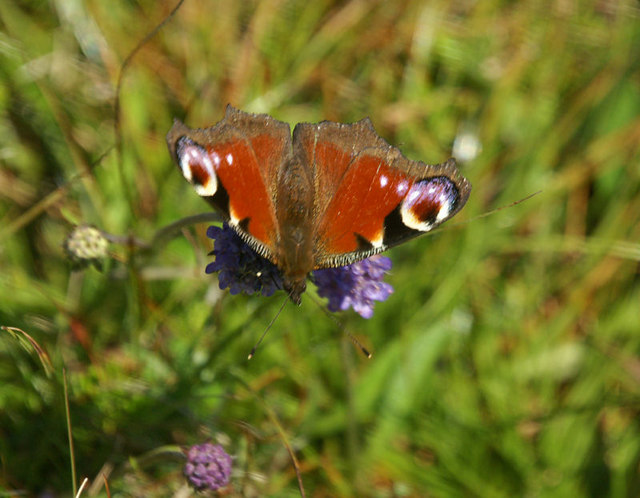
506	363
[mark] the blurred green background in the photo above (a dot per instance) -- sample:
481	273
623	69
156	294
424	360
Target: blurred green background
506	363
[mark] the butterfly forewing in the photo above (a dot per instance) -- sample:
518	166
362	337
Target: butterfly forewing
234	165
369	196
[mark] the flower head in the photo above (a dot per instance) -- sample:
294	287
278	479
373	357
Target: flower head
239	267
86	245
208	467
355	286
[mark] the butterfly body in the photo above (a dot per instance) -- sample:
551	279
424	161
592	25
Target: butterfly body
294	244
330	195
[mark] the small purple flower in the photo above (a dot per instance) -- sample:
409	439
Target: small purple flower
208	467
355	286
239	267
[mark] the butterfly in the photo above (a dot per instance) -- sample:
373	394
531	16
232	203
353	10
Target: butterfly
327	196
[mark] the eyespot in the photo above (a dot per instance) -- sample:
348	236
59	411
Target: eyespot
428	203
197	167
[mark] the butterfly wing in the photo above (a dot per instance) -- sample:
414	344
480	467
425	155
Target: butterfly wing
234	165
368	196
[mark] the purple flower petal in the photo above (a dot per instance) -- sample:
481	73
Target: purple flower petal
240	268
355	286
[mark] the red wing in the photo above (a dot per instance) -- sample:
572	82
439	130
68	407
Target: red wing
368	196
234	165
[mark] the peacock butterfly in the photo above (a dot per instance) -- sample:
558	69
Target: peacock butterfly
332	195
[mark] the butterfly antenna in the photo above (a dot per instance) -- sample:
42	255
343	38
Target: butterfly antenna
493	211
253	350
351	337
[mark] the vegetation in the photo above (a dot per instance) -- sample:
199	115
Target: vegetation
507	361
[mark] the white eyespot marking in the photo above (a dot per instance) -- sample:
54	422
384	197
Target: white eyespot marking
384	180
428	203
185	168
216	158
413	222
207	190
230	159
197	168
444	211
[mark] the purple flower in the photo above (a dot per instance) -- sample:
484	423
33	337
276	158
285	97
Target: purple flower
355	286
208	467
239	267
